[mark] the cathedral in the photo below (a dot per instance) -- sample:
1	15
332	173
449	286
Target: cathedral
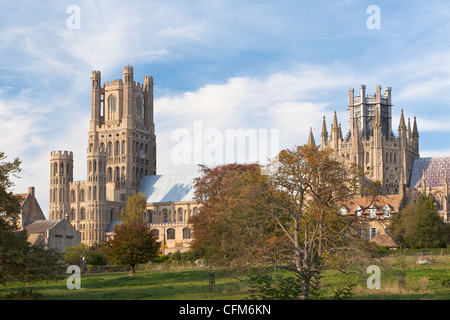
392	159
121	161
121	151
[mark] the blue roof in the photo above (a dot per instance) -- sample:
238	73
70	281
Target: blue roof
168	187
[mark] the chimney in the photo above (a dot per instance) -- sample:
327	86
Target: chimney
32	215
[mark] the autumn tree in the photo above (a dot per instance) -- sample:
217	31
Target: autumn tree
289	218
132	242
232	228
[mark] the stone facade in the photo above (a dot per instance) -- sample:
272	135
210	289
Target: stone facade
370	141
393	160
121	151
170	204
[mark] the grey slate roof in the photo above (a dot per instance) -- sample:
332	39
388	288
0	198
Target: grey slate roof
39	226
168	187
434	169
110	226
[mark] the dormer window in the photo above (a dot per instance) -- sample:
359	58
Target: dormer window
343	211
358	211
372	212
387	211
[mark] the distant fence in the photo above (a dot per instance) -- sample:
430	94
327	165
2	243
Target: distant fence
142	267
415	252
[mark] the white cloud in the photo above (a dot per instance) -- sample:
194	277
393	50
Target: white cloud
290	102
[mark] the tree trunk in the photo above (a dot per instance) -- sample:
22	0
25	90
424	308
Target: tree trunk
132	272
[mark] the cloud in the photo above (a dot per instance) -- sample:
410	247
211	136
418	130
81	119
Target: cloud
289	102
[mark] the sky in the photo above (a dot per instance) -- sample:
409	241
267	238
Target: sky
273	68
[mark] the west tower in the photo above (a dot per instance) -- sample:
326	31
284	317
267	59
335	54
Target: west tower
122	125
121	150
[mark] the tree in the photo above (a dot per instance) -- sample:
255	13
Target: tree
419	225
289	218
229	224
132	244
136	205
19	260
80	253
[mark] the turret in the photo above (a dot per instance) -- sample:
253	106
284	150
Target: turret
357	148
402	131
415	137
96	99
128	95
324	135
148	103
61	174
311	141
334	139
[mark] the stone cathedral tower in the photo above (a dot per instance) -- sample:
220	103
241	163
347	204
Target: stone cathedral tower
371	142
121	151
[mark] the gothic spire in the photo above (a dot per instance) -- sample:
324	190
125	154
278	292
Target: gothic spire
311	141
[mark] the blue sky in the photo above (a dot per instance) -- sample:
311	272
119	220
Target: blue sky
229	64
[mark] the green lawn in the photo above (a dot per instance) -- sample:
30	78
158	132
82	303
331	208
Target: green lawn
422	282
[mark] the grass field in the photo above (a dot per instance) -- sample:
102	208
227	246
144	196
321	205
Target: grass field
430	282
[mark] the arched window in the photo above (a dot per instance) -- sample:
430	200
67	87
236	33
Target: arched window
186	233
117	149
72	214
116	174
367	158
123	147
150	216
82	196
109	149
138	105
171	234
180	214
155	233
83	214
111	107
195	211
109	174
94	193
165	216
73	196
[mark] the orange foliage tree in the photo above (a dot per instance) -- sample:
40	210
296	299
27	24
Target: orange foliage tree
289	218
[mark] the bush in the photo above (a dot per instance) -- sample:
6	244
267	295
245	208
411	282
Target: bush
23	294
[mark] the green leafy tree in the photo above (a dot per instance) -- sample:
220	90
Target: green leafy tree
19	260
132	244
135	209
419	225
